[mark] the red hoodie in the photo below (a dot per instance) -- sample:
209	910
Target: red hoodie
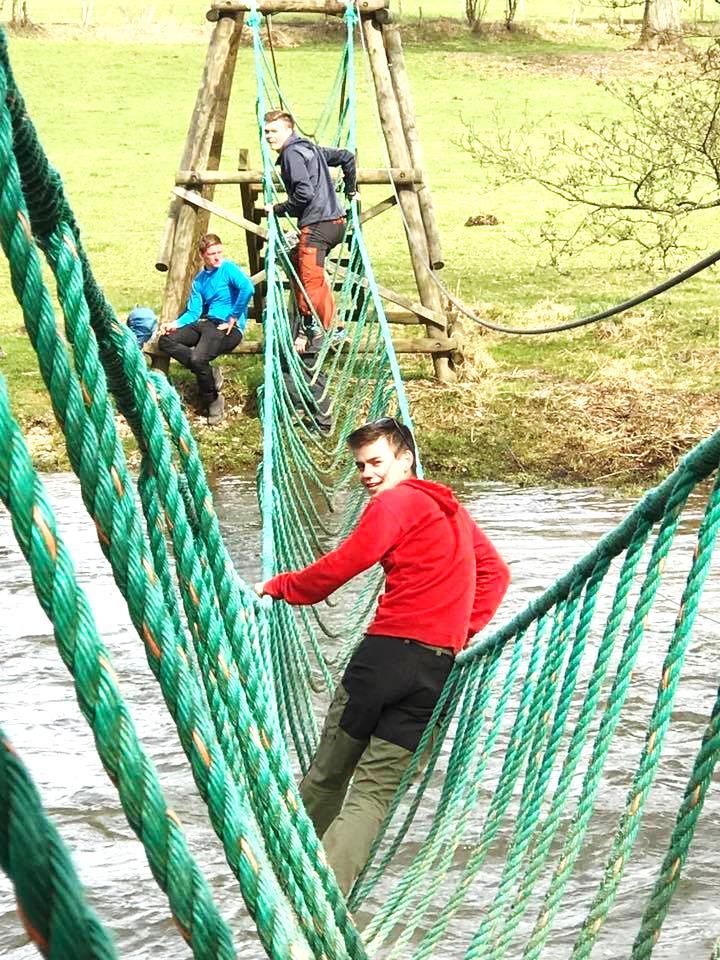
444	579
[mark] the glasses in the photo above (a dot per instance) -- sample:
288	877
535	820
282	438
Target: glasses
400	428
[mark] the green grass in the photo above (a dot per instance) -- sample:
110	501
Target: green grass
113	118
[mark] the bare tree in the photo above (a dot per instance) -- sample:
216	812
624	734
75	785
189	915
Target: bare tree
475	11
630	183
19	14
86	12
511	7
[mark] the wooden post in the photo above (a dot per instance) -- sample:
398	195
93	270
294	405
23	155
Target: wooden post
202	147
254	243
399	157
401	85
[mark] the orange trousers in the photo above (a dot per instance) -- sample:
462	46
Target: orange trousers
316	239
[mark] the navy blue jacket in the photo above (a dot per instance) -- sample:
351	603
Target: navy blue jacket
304	169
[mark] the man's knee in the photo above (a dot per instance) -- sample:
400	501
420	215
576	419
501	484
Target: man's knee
165	341
334	762
199	359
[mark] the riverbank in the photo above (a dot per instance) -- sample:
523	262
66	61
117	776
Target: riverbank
615	404
524	426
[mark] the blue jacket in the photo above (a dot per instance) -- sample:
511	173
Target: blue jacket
304	169
218	294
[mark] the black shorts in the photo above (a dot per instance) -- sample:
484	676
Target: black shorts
393	685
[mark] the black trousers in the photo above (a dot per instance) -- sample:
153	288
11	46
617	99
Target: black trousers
393	685
195	345
375	721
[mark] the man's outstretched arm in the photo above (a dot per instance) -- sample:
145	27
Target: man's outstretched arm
367	544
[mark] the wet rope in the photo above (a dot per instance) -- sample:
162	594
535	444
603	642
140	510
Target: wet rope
102	705
51	900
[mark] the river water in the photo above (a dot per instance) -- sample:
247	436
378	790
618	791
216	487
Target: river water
539	531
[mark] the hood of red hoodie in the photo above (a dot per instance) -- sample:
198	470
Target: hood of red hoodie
442	495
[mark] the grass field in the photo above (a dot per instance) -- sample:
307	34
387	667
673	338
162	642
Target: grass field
614	404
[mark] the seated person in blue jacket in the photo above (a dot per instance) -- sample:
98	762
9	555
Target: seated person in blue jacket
212	324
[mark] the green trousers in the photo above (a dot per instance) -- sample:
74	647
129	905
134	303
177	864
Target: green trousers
348	821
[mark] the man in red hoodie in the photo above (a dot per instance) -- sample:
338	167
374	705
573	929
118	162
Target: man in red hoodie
444	580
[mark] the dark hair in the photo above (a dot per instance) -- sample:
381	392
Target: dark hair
273	115
207	240
398	436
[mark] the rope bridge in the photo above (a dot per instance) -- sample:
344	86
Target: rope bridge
521	743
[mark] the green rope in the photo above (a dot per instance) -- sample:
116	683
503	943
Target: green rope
50	896
99	698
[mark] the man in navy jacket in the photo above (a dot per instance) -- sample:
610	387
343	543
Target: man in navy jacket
311	198
213	322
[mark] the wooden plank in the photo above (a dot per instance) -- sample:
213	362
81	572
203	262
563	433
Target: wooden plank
426	345
333	7
378	208
404	346
254	243
404	317
401	176
424	315
198	201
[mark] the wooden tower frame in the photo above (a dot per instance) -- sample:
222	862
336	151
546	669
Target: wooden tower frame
199	173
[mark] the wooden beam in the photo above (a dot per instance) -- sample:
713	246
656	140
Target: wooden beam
406	345
389	110
253	242
404	317
401	84
425	345
401	176
424	314
197	201
379	208
333	7
207	124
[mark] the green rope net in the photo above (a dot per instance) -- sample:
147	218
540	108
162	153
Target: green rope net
305	474
520	748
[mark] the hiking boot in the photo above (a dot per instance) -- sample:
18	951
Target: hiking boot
218	378
325	428
216	410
